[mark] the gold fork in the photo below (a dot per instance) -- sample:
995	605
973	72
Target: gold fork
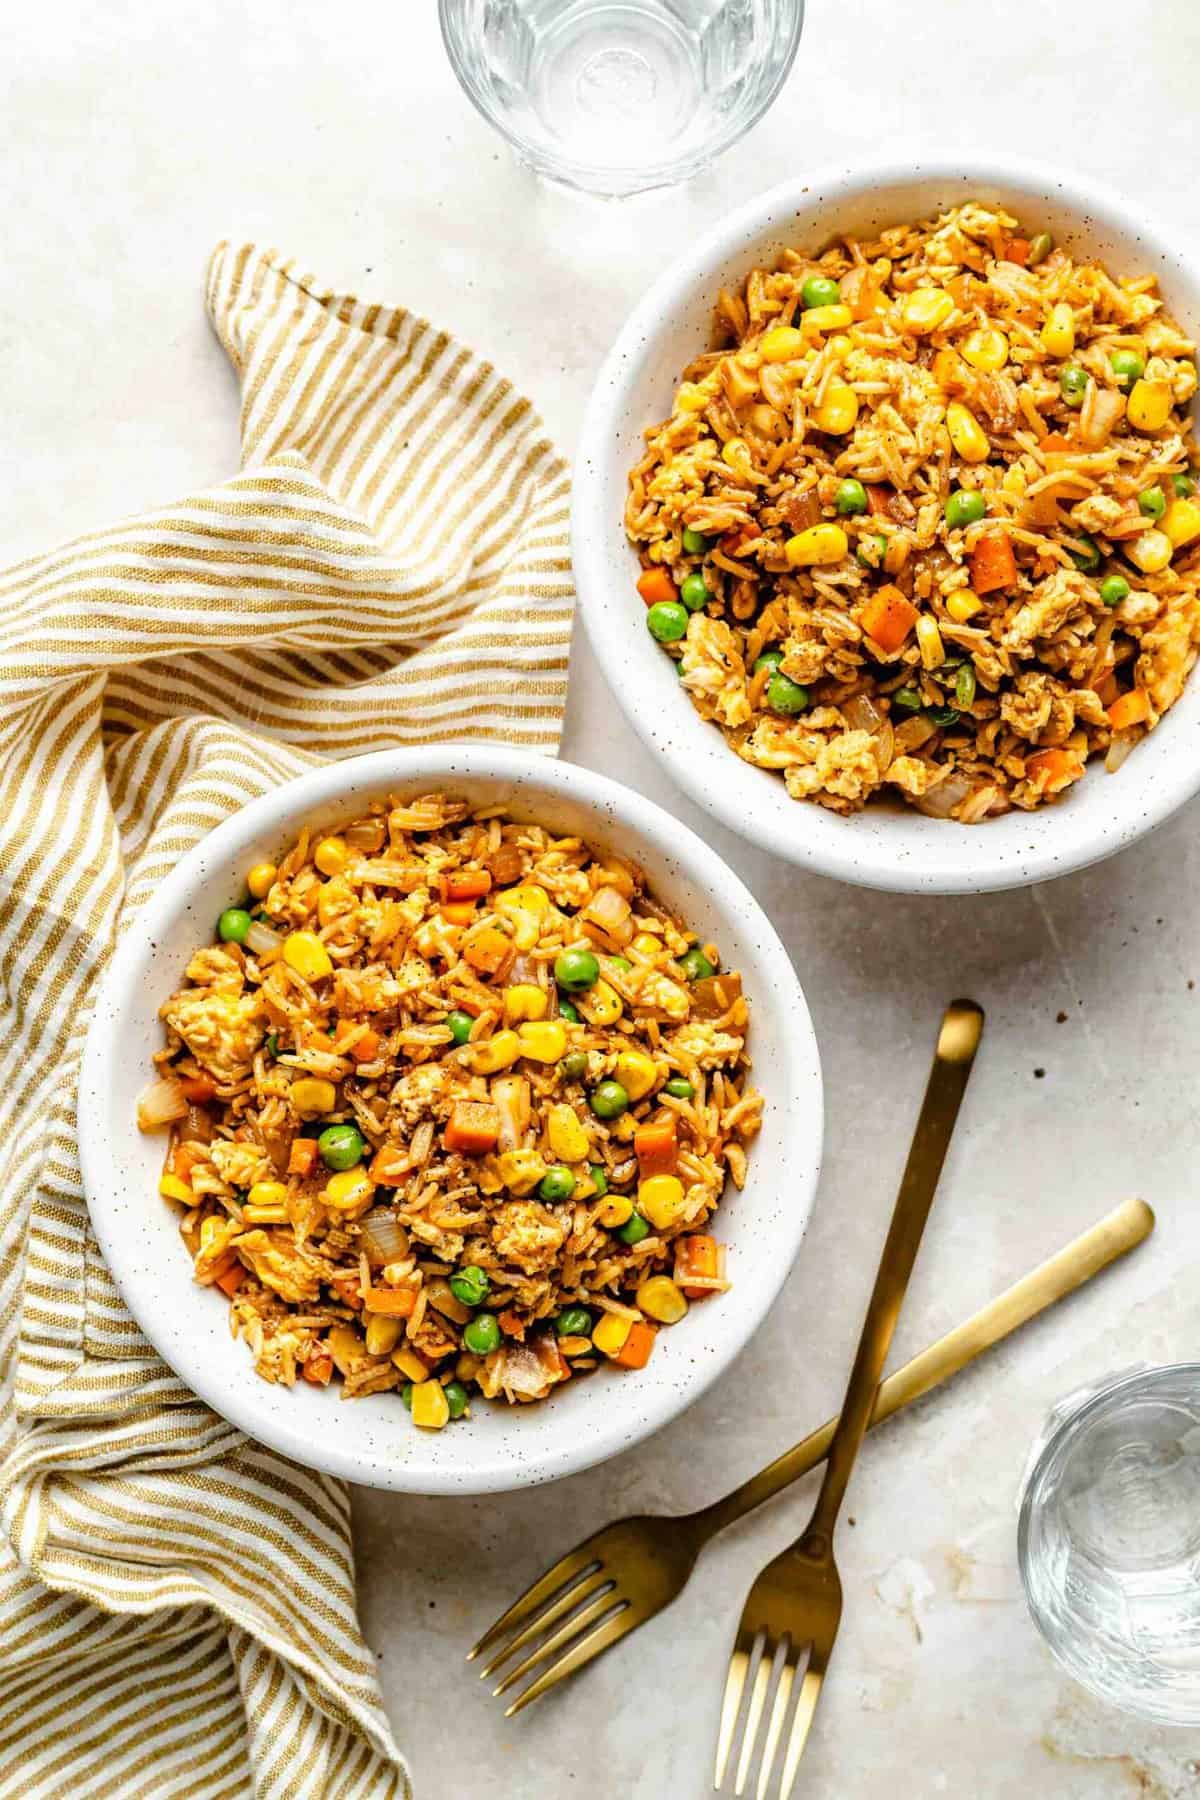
792	1612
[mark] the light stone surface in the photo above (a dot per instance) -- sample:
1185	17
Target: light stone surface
137	134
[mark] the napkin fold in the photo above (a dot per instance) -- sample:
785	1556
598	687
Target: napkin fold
390	567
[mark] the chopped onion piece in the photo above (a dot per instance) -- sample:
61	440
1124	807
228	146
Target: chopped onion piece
383	1237
262	939
1118	750
862	714
609	910
365	834
161	1104
941	800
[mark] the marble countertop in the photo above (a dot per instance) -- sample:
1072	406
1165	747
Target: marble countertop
136	136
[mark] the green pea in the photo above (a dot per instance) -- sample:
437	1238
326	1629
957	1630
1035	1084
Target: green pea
1072	384
695	964
272	1044
599	1175
965	506
1114	589
1087	557
1153	502
820	290
770	659
470	1285
482	1335
964	687
695	593
871	550
786	696
406	1394
1183	485
460	1024
667	621
851	497
621	962
341	1146
573	1321
576	970
634	1229
1039	249
679	1088
1127	367
234	925
557	1183
609	1100
457	1398
908	699
943	716
574	1065
694	542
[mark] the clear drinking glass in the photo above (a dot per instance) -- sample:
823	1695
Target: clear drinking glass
1109	1541
617	96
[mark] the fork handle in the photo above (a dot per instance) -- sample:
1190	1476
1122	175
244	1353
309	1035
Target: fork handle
1119	1232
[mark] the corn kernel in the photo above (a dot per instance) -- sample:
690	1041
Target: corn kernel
265	1215
497	1052
986	349
660	1199
172	1188
840	344
616	1211
525	1000
660	1299
528	897
215	1233
966	433
781	344
407	1360
304	952
261	879
1149	405
543	1043
267	1193
383	1334
837	411
691	398
929	642
1151	552
575	1346
568	1139
521	1170
963	606
442	1297
1181	522
601	1005
828	318
610	1333
736	453
349	1189
925	309
334	898
1058	333
646	944
637	1073
311	1096
526	928
345	1346
331	855
820	544
430	1407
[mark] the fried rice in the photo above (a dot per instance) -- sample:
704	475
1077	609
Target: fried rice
924	525
452	1102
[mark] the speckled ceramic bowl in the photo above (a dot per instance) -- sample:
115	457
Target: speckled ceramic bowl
373	1440
891	846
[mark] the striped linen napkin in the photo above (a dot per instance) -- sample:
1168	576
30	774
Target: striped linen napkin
390	567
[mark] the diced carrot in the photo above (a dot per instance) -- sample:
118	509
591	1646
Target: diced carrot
465	884
959	290
490	952
345	1286
993	564
879	500
302	1157
1017	250
319	1369
1132	708
393	1303
366	1048
389	1165
948	371
232	1279
655	585
656	1148
888	617
698	1256
860	292
1054	444
317	1039
512	1324
473	1127
198	1088
1053	769
185	1159
739	539
457	912
635	1351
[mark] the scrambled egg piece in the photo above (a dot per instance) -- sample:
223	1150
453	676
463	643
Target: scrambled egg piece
293	1274
527	1233
222	1029
1168	652
241	1165
705	1045
713	671
1061	597
419	1094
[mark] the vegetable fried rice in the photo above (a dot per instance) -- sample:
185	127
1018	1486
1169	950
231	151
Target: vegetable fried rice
927	524
452	1102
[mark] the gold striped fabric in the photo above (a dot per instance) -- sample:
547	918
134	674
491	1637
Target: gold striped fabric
390	567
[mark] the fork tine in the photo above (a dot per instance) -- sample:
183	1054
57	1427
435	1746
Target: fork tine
779	1711
758	1694
806	1706
567	1568
731	1705
582	1652
572	1596
574	1625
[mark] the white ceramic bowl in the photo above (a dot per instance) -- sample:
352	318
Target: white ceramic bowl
885	847
373	1440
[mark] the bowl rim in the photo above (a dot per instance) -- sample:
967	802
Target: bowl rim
272	814
834	849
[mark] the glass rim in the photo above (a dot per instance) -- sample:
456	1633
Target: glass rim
588	176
